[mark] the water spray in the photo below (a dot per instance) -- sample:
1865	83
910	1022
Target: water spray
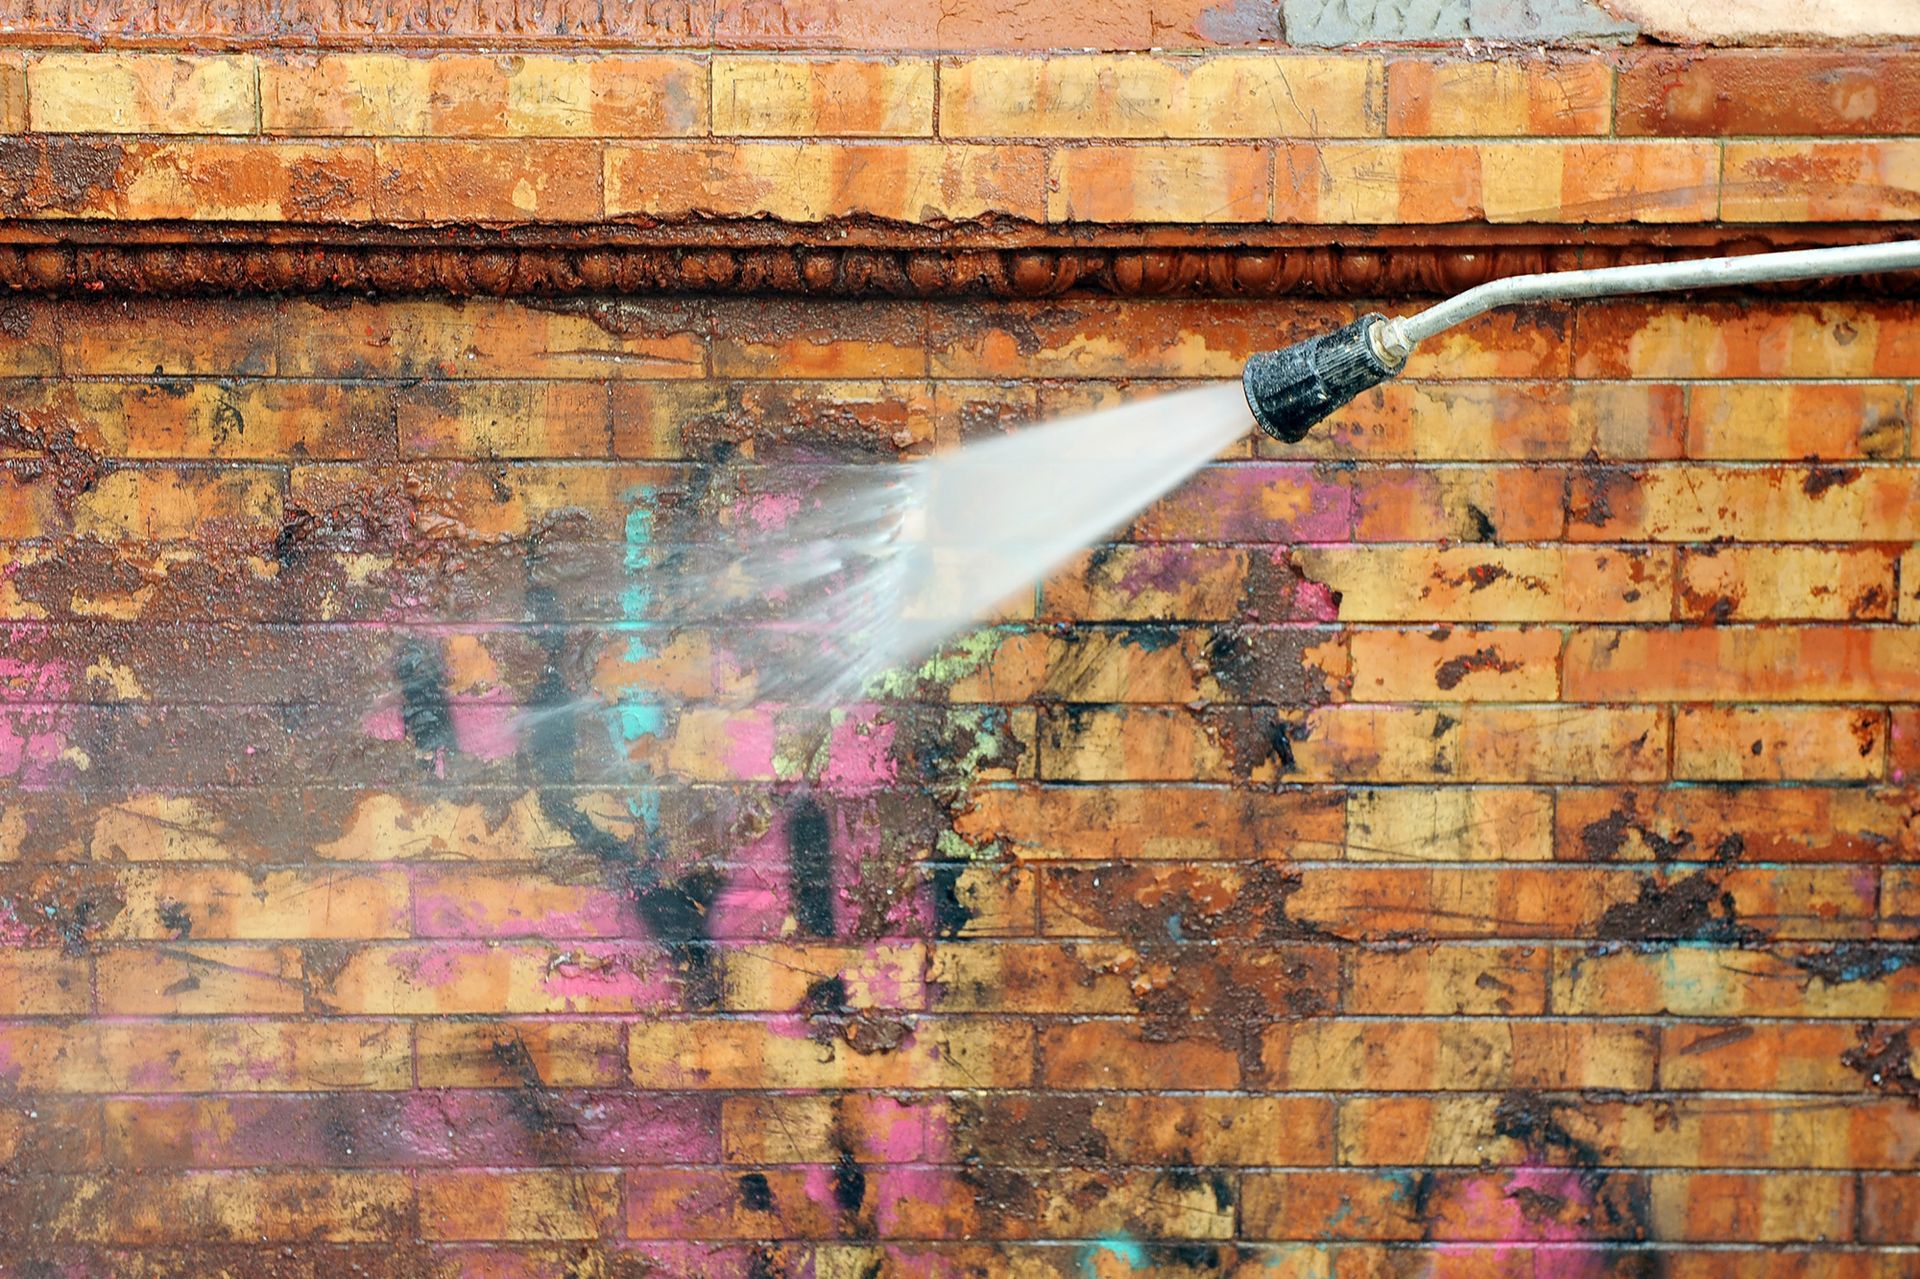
1291	389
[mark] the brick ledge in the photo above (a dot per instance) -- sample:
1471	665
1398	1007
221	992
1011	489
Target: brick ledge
155	260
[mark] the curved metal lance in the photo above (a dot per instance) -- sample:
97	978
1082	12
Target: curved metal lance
1292	389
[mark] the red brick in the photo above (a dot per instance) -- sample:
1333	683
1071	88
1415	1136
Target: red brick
1735	92
489	181
1821	181
1534	97
1121	184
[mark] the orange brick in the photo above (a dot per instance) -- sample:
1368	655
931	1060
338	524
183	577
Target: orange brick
1086	96
238	1055
503	419
1799	91
488	181
1536	97
769	339
1470	504
142	93
448	978
1112	1054
934	1053
13	93
1777	743
1472	981
1797	422
1785	583
501	1204
1495	422
1314	1205
1445	665
186	980
1691	981
1803	664
498	1054
1766	1057
240	181
1766	340
37	983
1446	1056
1418	824
1492	584
224	1207
814	181
1695	823
805	97
1158	184
1889	1209
452	95
1821	181
1758	1208
1160	823
1698	503
274	905
1480	743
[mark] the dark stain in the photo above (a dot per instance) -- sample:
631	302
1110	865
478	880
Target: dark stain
849	1183
71	469
1448	674
1602	841
1692	907
810	859
765	1263
1822	478
755	1194
537	1108
1885	1060
424	708
1034	1129
1850	961
1483	528
1481	576
1535	1122
175	918
950	915
56	174
227	420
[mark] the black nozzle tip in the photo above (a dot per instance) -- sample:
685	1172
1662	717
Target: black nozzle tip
1292	389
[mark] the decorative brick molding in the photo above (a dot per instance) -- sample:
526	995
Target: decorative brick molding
728	260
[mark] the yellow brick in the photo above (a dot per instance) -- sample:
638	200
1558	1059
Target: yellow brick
646	97
1335	182
1132	96
494	1204
227	1054
504	419
1405	824
768	978
279	905
232	1207
496	1054
142	93
1529	97
1158	184
13	93
39	983
350	94
187	980
804	97
757	1054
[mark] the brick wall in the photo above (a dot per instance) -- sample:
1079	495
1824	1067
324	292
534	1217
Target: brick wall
1479	841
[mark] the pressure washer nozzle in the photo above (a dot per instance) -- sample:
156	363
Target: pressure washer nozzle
1291	389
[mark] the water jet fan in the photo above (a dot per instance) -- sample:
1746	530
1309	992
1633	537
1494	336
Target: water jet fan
1292	389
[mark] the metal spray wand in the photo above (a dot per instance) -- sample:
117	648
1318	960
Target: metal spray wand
1291	389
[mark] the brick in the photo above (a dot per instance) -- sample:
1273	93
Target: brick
783	339
49	1134
238	181
1497	421
1797	743
1407	824
1733	92
1442	980
449	978
1622	339
1821	181
231	1207
1802	824
13	94
1471	504
817	181
1172	823
1736	1057
1537	97
1112	1054
495	1204
1072	97
765	1128
1889	1210
242	420
142	93
1249	502
775	421
289	904
1157	583
779	1053
496	1054
242	1055
1492	584
1483	743
1786	583
1724	664
453	95
184	980
1708	503
1797	422
1424	182
489	181
432	338
1767	1208
1479	664
804	97
503	419
1794	981
38	983
1404	1056
1095	978
1158	184
1293	1205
